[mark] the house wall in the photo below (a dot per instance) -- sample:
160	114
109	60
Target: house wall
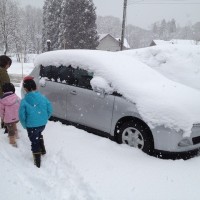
108	44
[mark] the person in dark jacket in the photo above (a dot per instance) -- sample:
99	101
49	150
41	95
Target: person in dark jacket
34	112
5	63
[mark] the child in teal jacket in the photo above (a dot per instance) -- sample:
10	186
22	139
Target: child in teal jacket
34	112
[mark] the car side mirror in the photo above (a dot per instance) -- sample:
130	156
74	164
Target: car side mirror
42	82
101	86
100	91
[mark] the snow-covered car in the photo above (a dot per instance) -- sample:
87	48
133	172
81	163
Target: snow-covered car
120	97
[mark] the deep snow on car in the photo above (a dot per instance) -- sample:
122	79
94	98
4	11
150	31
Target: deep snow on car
120	97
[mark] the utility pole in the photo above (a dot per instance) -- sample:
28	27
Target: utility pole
48	45
123	25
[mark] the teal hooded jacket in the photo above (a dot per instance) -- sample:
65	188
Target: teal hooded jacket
35	110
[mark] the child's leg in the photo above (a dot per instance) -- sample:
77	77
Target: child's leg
3	125
16	131
34	135
42	146
11	134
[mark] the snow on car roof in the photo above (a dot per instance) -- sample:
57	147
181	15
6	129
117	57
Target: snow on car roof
159	100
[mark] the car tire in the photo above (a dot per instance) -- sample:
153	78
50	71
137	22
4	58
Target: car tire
136	134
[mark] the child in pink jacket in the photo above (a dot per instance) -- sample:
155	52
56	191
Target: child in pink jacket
9	106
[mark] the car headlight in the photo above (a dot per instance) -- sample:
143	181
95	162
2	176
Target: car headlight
184	142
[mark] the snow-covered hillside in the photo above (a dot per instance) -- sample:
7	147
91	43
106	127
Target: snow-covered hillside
179	63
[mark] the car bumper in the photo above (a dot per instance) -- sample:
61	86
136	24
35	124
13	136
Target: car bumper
169	140
176	155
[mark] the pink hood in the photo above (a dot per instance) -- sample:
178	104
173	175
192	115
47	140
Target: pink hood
9	107
9	100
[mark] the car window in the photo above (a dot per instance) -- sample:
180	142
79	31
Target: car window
50	72
69	75
66	74
45	72
82	78
54	73
59	74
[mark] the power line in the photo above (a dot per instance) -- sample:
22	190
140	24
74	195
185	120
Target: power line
167	3
160	3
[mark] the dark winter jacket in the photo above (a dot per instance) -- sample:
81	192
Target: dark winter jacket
4	78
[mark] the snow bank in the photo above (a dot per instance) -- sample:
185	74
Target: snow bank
19	68
83	166
180	63
159	100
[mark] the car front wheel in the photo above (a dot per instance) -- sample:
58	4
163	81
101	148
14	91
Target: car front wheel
136	134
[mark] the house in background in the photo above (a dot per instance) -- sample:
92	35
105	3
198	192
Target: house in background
158	42
108	43
174	41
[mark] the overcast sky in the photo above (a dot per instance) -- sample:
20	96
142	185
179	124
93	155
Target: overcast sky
143	13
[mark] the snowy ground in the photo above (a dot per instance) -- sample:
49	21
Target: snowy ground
83	166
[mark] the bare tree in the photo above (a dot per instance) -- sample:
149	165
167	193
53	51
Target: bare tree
29	34
9	16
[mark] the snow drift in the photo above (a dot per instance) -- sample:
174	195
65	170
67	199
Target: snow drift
180	63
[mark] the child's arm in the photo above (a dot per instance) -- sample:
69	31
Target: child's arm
49	108
22	114
2	110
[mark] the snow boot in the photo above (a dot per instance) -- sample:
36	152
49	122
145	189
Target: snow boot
42	147
37	159
16	135
4	127
6	130
12	141
2	124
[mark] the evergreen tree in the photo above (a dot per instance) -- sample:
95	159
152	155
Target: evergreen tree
78	25
9	20
163	30
196	32
51	22
172	26
155	28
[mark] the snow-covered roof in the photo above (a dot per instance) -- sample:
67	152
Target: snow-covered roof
159	100
183	42
101	36
160	42
125	42
175	41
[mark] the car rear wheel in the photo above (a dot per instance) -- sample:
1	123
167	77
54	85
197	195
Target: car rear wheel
136	134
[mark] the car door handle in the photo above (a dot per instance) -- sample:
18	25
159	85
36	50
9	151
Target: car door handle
73	92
